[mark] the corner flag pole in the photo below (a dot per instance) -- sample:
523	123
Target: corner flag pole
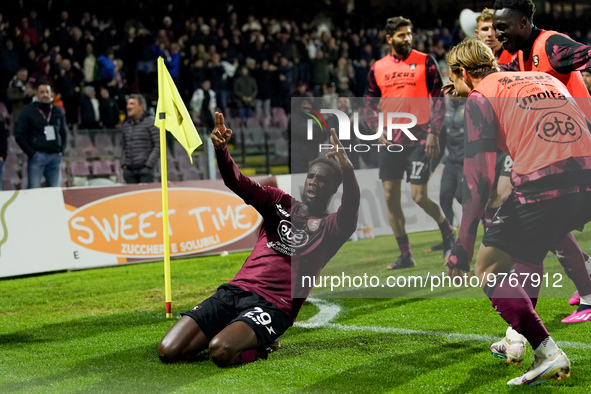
179	124
165	235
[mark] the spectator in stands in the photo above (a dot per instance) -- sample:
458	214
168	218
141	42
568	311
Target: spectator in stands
90	67
203	105
9	64
330	96
301	69
35	23
59	35
232	51
43	71
117	86
343	73
284	84
25	30
41	133
29	61
218	76
301	90
90	116
302	150
145	64
141	142
197	74
319	67
172	58
20	92
109	109
106	64
76	44
264	80
245	91
360	70
68	82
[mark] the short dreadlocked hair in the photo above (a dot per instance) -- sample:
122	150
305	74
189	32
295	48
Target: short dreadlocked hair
525	7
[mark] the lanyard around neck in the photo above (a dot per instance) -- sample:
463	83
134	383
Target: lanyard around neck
46	118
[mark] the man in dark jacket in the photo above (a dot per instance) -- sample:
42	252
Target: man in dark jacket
141	142
109	109
245	91
41	133
90	116
20	92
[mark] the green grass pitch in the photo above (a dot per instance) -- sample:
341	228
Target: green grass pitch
96	331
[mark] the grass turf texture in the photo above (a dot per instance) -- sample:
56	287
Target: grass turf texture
97	331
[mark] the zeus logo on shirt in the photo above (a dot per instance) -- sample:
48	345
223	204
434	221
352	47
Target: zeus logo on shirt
282	211
290	235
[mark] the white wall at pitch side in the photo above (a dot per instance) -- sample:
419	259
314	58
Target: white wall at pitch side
372	210
35	232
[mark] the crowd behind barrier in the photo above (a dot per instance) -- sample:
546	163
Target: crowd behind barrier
95	58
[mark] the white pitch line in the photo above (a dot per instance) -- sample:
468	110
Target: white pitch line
328	311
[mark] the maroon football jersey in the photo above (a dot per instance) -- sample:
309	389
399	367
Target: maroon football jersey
291	243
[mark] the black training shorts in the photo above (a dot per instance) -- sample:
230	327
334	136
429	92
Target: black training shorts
504	165
231	304
528	231
412	160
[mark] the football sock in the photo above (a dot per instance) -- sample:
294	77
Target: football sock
489	213
572	259
446	228
512	334
585	300
547	348
583	307
404	244
525	270
514	305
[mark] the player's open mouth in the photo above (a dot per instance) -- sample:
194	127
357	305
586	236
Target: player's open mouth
311	193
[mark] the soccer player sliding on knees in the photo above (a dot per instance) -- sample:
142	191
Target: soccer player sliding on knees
245	318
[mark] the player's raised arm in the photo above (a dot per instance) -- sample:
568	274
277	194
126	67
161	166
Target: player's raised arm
338	152
220	134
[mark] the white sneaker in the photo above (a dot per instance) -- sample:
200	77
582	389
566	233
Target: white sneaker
544	369
512	347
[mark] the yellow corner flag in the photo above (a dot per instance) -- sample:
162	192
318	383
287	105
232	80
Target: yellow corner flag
171	113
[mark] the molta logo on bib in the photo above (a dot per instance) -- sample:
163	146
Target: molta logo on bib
540	98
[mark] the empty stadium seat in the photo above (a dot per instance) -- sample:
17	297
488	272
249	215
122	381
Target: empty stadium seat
104	145
79	168
278	117
83	145
101	167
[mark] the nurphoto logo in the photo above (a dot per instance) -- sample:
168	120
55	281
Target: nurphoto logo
394	121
